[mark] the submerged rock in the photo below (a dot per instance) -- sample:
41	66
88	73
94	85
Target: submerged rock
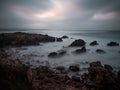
93	43
113	44
82	50
64	37
52	54
74	68
100	51
78	42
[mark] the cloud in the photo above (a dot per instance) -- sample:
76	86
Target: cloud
83	14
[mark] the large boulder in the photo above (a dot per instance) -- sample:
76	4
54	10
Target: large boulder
113	44
78	42
93	43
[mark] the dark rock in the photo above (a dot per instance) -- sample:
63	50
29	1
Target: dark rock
74	68
93	43
113	44
82	50
100	51
62	52
59	40
78	42
60	68
108	67
64	37
77	79
95	64
24	39
119	74
52	54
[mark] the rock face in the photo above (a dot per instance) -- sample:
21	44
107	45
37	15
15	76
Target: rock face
74	68
24	39
64	37
82	50
93	43
78	42
113	44
100	51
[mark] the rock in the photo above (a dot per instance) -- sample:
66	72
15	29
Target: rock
74	68
100	51
95	64
59	40
24	39
82	50
78	42
62	52
60	68
93	43
77	79
52	54
108	67
118	73
113	44
64	37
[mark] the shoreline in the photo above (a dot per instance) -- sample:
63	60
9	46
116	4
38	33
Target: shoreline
99	77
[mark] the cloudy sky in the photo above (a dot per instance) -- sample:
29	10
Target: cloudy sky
60	14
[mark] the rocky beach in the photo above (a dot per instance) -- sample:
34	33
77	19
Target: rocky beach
17	75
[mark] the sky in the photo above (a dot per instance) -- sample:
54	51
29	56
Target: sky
60	14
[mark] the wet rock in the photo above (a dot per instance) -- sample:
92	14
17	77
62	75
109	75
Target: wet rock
82	50
94	43
75	78
53	54
95	64
64	37
113	44
78	42
60	68
108	67
59	40
24	39
62	52
74	68
118	74
100	51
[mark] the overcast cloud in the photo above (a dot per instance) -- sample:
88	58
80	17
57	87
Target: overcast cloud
60	14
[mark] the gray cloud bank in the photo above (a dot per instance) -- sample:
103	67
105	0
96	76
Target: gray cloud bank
60	14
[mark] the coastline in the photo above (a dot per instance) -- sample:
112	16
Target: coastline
99	77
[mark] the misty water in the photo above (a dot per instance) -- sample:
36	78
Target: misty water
38	55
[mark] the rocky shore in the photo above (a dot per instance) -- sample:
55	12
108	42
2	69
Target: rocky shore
24	39
16	76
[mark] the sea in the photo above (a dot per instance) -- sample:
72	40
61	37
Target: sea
36	56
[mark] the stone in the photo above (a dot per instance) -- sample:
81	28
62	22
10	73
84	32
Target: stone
108	67
93	43
64	37
74	68
112	43
100	51
78	42
60	68
52	54
82	50
75	78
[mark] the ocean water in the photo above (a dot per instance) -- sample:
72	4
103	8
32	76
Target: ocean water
38	55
